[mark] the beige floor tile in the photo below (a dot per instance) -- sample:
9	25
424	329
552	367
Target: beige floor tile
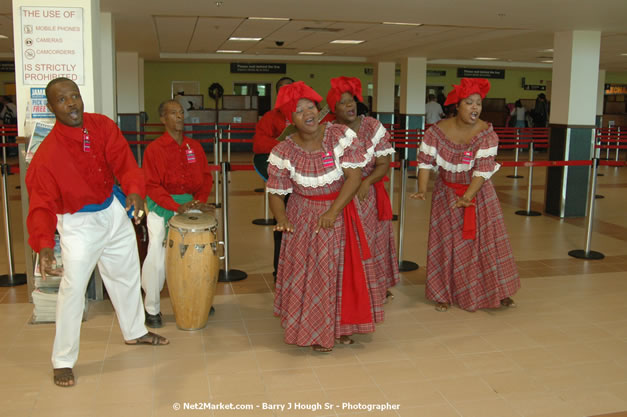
270	341
463	345
514	383
128	410
225	344
427	349
393	372
413	394
222	363
462	389
488	363
303	403
186	366
486	408
343	376
593	401
217	329
288	380
223	385
341	355
377	352
534	358
352	400
271	325
441	368
281	359
440	410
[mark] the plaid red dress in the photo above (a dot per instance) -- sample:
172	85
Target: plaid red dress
475	273
309	278
376	141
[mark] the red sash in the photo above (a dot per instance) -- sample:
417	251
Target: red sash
469	231
355	307
384	207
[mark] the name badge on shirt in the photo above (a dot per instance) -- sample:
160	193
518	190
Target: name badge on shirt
467	157
86	141
327	160
191	157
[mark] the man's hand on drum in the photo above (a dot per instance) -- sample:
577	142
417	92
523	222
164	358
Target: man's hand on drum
206	207
185	207
134	200
326	221
48	263
284	225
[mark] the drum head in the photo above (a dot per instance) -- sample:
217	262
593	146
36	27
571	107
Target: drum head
193	221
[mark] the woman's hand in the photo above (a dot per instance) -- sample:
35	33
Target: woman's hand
326	221
463	201
185	207
418	196
362	191
284	226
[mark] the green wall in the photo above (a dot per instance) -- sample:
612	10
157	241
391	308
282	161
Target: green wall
6	77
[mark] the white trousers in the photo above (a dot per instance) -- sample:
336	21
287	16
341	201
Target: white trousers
153	270
106	238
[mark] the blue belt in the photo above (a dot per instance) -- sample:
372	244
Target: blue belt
117	193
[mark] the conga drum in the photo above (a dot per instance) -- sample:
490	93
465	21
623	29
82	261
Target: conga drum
192	267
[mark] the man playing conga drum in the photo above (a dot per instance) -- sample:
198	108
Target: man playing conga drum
177	180
71	188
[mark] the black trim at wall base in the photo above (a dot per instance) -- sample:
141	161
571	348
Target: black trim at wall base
573	144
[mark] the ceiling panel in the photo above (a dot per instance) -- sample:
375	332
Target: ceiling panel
174	32
211	33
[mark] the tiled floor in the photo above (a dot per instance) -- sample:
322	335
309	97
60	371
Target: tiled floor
561	353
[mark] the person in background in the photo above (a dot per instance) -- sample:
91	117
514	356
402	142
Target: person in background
518	113
70	182
177	180
376	210
433	111
321	290
540	111
469	260
267	130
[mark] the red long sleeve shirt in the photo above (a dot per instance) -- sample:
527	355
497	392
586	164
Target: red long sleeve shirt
268	128
168	170
63	178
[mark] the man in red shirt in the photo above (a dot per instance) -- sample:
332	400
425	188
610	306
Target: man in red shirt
70	182
177	180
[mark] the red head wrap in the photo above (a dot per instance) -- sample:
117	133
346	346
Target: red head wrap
290	94
341	85
468	87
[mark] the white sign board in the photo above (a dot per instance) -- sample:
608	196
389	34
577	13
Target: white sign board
52	44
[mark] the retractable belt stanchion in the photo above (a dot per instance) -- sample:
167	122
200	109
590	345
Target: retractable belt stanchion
216	183
226	274
11	279
403	266
516	156
266	221
139	146
529	212
391	193
617	142
228	145
587	253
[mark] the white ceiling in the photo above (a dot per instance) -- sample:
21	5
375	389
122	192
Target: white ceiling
515	32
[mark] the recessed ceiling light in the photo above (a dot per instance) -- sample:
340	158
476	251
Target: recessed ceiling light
546	50
4	37
402	23
348	41
269	18
485	58
547	61
310	53
235	38
228	51
623	54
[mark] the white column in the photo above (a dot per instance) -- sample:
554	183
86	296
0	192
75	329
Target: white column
27	45
107	60
575	77
413	86
600	92
384	80
127	65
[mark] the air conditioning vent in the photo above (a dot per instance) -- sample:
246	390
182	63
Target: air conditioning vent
328	30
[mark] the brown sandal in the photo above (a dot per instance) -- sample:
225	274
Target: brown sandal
345	340
321	349
63	377
149	338
508	302
442	307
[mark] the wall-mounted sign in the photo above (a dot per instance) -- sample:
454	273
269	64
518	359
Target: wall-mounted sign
368	71
257	68
480	73
436	73
38	103
535	87
52	44
613	89
7	66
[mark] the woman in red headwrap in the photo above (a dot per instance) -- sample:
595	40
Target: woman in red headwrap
376	210
321	292
469	260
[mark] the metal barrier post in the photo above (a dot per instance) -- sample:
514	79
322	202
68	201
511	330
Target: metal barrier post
139	146
617	142
587	253
529	212
391	193
516	156
266	221
4	149
403	266
216	138
228	145
226	274
11	279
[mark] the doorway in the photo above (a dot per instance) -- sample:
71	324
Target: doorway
260	90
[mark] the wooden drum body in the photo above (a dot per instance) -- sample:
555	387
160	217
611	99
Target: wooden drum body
192	267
